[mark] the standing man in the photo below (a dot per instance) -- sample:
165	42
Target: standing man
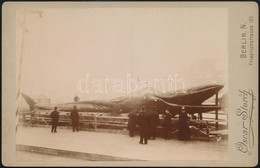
132	122
184	130
167	124
154	120
75	119
143	126
55	119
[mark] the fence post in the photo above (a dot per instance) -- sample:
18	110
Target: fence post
216	111
207	127
23	118
95	121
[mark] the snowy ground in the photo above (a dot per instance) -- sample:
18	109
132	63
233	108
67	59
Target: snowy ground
22	156
120	145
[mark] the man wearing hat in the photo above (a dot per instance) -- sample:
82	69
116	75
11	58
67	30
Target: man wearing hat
184	130
132	122
74	115
154	121
55	119
167	123
143	126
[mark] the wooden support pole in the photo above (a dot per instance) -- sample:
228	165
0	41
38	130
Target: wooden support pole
23	117
216	111
95	121
207	127
200	116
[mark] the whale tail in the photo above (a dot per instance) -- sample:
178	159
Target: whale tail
29	101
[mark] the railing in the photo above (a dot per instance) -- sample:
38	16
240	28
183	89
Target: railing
91	121
86	121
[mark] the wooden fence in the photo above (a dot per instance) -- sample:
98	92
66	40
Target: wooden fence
95	121
86	121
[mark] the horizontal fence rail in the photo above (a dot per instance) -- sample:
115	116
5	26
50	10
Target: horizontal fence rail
97	121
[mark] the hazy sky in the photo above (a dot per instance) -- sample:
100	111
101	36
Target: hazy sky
61	46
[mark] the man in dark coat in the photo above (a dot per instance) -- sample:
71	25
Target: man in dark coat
184	130
143	126
167	123
154	120
75	119
55	119
132	122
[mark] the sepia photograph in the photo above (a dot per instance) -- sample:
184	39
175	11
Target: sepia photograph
133	83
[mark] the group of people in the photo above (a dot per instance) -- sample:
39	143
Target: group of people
147	124
74	115
148	120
